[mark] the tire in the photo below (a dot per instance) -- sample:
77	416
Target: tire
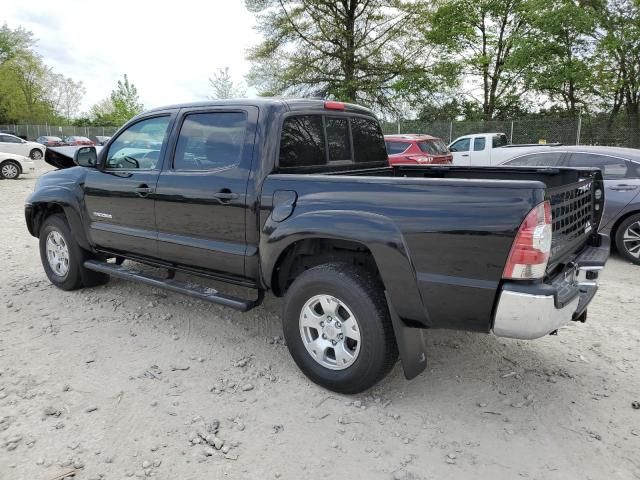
628	239
65	270
358	294
10	170
35	154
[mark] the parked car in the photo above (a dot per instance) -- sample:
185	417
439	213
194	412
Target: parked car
621	171
13	165
296	197
102	140
18	146
486	149
49	141
78	140
417	149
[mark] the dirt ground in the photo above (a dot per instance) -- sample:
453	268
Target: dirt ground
127	381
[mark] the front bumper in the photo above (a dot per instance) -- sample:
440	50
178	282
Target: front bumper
534	310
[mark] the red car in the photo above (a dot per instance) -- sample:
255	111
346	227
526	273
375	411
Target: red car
78	140
417	149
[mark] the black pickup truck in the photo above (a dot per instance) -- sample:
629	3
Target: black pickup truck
296	197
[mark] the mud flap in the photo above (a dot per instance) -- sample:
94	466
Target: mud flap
411	345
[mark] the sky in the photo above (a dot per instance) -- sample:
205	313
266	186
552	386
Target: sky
169	50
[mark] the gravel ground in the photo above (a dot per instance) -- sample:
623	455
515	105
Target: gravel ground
127	381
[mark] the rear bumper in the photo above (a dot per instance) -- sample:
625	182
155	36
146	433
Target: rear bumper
535	310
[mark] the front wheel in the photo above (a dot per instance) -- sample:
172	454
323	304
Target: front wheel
628	239
10	170
35	154
337	327
63	259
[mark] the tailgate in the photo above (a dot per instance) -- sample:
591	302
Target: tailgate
576	209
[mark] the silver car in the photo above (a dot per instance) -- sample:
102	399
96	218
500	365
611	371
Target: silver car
621	171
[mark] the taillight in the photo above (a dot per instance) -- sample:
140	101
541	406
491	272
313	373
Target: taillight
332	105
420	158
530	250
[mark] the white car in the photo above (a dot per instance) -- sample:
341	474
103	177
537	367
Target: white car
12	144
12	165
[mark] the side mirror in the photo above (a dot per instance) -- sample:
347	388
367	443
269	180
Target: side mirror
86	157
453	149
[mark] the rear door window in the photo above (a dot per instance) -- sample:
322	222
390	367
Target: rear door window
478	144
612	167
394	148
546	159
302	143
210	141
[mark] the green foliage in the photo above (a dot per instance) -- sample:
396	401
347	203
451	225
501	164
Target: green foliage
352	50
119	107
223	86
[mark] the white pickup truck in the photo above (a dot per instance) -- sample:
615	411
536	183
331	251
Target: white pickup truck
486	149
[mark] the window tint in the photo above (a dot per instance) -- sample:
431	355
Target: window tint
633	170
434	147
461	145
138	147
499	140
9	139
338	138
546	159
209	141
478	144
394	148
611	167
302	143
368	141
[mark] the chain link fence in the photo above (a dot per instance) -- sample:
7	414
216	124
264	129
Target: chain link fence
620	130
31	132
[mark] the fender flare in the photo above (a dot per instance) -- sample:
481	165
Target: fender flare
63	198
379	234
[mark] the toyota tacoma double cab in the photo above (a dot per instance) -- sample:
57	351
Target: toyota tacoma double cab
296	198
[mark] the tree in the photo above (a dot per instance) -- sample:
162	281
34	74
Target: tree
350	50
119	107
64	95
14	42
556	53
482	37
224	87
618	61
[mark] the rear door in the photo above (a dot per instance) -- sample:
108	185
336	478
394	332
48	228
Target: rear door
202	190
11	144
119	198
478	155
620	181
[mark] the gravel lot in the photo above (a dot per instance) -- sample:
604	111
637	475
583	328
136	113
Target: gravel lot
127	381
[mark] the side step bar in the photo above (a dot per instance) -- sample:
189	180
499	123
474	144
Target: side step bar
197	291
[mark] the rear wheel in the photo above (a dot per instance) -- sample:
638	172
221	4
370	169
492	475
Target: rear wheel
9	170
337	327
628	239
63	259
35	154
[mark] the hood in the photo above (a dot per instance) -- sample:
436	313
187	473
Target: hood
62	157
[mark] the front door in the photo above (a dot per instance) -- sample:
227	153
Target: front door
119	198
201	192
460	150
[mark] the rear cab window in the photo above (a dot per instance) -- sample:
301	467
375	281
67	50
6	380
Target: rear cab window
314	141
499	140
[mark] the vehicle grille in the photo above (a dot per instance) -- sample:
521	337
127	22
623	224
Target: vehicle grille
572	215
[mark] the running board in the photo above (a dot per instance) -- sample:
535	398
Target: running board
193	290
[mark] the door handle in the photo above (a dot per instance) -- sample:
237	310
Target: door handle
623	187
225	195
144	190
464	155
